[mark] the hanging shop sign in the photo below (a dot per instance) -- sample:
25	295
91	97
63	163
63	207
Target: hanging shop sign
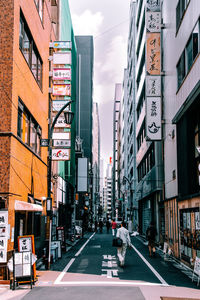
153	118
58	104
62	90
62	74
60	154
153	5
62	58
61	135
62	45
153	86
153	56
62	143
44	142
153	21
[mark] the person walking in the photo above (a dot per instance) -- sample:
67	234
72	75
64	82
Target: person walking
108	226
114	226
151	236
123	234
100	226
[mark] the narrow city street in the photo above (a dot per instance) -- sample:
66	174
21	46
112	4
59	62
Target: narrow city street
90	270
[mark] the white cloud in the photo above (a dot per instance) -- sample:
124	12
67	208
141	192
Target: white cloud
87	23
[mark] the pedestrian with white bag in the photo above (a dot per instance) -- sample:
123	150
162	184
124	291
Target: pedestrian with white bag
123	234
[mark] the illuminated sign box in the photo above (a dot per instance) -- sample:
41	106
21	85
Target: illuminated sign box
153	56
62	90
153	118
62	143
61	136
62	45
62	58
58	104
62	74
61	154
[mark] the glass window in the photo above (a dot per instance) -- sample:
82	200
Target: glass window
189	54
40	10
39	72
26	129
181	69
26	47
195	37
19	123
33	136
34	63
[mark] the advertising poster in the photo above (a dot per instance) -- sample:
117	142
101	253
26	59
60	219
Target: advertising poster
153	5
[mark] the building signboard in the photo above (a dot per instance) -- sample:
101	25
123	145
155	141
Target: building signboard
153	56
62	74
60	154
61	122
61	135
25	244
58	104
62	45
153	5
153	21
62	89
62	58
153	118
153	86
62	143
3	235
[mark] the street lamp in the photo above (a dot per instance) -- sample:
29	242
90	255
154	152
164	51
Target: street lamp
69	115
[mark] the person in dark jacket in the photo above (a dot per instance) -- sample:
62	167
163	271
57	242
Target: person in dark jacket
100	226
151	236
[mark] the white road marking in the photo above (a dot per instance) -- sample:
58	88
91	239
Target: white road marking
150	267
111	283
62	274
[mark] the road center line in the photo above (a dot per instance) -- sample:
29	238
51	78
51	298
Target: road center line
150	267
60	277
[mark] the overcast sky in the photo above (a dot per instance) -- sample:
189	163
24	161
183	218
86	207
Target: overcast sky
108	22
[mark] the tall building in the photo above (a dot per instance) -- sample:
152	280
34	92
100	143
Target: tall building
84	90
181	134
149	159
128	146
64	171
116	110
108	191
24	90
84	127
96	162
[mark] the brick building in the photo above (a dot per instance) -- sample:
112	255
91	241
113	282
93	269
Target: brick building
25	32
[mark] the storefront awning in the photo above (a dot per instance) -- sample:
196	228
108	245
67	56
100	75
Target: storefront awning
25	206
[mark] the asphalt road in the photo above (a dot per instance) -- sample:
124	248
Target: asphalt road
90	270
